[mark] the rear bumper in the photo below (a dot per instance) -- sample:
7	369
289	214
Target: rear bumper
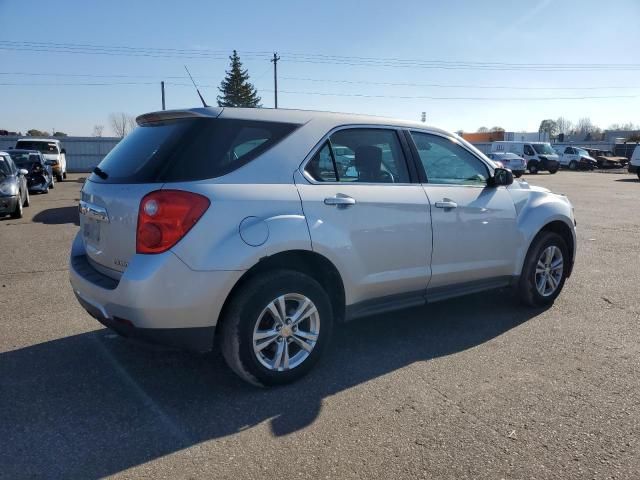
158	298
8	204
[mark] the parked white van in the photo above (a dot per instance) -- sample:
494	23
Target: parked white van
539	155
634	164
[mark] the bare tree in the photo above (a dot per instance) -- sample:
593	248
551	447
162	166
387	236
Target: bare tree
585	126
496	129
564	125
482	130
122	123
548	127
97	130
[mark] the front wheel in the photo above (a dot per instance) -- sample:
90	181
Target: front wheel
553	170
59	178
52	184
533	168
518	174
64	175
544	271
573	165
276	328
17	213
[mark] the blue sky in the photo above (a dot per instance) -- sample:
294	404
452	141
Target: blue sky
532	32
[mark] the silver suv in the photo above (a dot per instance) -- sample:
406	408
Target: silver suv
262	228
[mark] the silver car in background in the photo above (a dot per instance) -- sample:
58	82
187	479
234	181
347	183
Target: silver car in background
262	228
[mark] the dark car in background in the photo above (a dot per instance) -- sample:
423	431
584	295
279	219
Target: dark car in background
39	172
14	194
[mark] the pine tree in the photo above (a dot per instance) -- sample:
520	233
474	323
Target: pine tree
235	89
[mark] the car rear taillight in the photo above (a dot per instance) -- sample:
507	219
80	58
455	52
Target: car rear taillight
165	216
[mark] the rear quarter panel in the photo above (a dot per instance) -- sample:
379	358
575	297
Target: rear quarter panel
274	223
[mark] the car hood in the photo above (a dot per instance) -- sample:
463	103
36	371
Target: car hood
549	156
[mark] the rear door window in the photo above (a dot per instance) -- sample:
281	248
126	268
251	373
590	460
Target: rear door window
360	155
188	149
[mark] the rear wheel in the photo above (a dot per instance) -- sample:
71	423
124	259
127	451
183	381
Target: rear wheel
64	175
544	271
276	328
553	170
59	178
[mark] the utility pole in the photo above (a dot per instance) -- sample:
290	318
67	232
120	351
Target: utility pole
162	88
275	77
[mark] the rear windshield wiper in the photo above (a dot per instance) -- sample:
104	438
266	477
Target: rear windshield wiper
101	173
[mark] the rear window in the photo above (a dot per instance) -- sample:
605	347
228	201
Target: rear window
188	149
44	147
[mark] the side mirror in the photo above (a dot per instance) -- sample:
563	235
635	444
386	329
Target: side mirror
63	151
22	171
501	177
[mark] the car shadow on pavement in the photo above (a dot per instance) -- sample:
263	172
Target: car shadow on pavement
633	180
57	216
91	405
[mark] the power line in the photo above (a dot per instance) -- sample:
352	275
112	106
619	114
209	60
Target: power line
330	94
322	80
308	58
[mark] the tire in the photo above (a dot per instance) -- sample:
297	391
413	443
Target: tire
17	213
533	168
517	175
52	185
528	288
638	175
573	165
248	313
27	200
46	190
553	171
59	178
64	175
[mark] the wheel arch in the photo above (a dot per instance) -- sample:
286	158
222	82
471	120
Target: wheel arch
308	262
561	228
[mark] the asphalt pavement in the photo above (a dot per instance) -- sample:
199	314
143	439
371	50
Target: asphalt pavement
477	387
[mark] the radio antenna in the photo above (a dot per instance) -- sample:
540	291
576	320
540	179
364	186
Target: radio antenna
204	104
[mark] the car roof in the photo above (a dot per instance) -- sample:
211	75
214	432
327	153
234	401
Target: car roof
284	115
35	139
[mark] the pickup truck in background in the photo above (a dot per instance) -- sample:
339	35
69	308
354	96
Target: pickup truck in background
575	158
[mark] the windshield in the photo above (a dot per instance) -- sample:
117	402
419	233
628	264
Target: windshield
43	147
582	152
22	158
4	167
543	148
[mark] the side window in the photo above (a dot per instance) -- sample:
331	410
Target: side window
360	155
528	150
321	167
446	162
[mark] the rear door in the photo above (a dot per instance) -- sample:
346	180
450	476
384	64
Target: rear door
367	215
475	237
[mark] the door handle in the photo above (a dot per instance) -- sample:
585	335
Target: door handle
446	204
340	201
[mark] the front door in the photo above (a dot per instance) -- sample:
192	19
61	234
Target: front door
366	215
475	236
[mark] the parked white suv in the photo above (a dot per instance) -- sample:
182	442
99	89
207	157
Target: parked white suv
634	164
262	228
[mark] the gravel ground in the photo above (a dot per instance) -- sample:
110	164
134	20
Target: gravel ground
477	387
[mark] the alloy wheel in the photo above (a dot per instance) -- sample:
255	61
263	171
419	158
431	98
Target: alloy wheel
549	270
286	332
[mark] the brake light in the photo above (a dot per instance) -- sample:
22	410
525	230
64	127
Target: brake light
165	216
